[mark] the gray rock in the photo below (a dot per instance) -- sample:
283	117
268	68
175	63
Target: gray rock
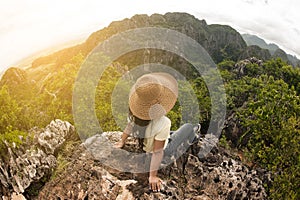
54	135
33	160
240	66
216	176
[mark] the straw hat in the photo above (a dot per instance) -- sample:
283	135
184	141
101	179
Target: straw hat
153	95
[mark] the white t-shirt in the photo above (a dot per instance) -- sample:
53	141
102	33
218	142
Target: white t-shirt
157	129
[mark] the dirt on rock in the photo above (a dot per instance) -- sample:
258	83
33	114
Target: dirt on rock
219	175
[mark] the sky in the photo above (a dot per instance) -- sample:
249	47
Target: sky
31	26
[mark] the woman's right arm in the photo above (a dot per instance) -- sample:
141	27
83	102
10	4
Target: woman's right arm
124	137
121	143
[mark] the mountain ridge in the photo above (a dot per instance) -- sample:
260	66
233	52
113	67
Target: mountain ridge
262	100
205	34
220	41
274	49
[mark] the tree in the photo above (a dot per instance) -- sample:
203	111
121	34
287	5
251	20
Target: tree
271	119
9	111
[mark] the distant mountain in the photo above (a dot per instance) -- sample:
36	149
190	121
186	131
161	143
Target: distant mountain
255	51
294	60
255	40
44	91
274	49
220	41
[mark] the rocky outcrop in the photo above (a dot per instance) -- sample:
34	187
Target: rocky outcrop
219	175
34	160
85	178
54	135
240	67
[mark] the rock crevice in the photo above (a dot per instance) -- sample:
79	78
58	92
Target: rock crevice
218	175
33	160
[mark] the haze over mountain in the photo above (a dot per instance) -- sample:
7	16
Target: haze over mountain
273	48
220	41
262	115
30	26
255	40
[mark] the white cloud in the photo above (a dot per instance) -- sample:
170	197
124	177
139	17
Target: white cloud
273	20
28	26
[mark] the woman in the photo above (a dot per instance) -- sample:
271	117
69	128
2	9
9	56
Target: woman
150	99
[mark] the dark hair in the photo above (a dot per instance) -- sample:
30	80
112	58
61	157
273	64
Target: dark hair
139	128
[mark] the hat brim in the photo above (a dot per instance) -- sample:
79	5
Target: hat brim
161	105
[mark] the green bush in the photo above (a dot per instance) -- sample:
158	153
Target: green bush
13	137
10	111
271	119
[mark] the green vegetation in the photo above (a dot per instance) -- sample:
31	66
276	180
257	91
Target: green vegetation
267	104
66	152
11	130
264	98
272	120
223	142
104	99
13	137
10	110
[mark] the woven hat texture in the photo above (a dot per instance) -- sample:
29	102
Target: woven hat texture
153	95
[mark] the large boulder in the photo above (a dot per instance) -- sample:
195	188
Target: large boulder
33	160
54	135
219	175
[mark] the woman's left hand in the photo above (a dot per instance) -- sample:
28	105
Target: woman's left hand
155	183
